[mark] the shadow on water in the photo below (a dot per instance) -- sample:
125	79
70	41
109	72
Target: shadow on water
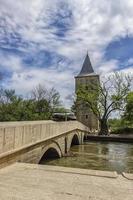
99	156
49	155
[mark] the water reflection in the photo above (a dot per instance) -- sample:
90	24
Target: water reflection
99	155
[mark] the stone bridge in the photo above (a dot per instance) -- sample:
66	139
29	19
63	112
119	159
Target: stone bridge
36	140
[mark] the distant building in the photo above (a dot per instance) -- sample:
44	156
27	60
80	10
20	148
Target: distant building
86	76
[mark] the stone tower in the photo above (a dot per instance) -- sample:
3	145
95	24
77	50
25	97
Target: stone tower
86	76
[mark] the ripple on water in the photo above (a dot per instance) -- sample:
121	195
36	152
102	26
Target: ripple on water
100	156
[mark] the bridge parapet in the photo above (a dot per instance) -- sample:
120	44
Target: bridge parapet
17	135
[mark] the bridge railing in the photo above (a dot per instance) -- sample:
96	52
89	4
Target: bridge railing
16	135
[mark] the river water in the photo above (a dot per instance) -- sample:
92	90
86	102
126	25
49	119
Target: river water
108	156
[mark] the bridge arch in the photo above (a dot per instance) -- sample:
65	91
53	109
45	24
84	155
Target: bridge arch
50	152
75	140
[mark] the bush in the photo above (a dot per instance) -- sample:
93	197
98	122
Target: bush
124	131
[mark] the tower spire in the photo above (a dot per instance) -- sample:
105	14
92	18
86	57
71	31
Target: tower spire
87	67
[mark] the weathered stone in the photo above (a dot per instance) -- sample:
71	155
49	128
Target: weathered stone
85	77
28	141
128	175
34	182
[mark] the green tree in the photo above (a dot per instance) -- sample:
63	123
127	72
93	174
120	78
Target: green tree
115	124
10	105
39	107
104	98
128	114
46	101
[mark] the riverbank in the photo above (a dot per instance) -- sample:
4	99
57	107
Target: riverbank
112	138
34	182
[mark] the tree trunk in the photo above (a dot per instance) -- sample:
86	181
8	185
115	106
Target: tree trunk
103	127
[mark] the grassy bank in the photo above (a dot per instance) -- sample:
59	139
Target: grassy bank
125	131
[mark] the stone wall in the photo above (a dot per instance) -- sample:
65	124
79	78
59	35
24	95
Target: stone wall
83	113
27	141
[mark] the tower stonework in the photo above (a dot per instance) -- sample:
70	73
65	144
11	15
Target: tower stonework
85	77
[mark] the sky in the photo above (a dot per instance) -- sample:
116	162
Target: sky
45	42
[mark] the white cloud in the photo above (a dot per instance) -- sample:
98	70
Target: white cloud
108	66
130	61
91	26
23	79
11	63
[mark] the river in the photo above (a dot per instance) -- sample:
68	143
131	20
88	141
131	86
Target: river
110	156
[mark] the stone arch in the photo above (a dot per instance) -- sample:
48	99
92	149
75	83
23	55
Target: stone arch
75	140
50	152
72	139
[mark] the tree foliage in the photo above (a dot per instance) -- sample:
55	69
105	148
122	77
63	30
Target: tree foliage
105	97
128	114
40	106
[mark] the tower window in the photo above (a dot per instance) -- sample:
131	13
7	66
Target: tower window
86	116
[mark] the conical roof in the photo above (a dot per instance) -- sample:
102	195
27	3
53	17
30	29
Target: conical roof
87	67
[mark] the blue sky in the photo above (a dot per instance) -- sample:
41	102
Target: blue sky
45	41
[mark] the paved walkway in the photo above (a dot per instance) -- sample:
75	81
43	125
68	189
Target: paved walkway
35	182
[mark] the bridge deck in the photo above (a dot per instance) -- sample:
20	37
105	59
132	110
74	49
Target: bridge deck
34	182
